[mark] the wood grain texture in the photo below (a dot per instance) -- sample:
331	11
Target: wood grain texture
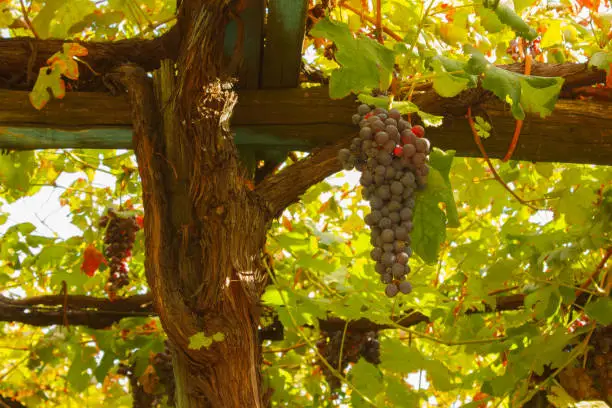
252	21
576	132
103	56
282	58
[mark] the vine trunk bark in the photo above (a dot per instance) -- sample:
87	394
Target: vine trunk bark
204	228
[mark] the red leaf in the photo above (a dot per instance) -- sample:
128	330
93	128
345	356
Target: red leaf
140	221
92	258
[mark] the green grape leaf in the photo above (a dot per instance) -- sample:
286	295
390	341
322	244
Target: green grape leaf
366	378
509	17
364	63
601	60
600	310
199	340
429	227
489	20
441	162
49	79
523	93
449	81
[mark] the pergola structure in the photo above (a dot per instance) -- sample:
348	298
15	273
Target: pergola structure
274	115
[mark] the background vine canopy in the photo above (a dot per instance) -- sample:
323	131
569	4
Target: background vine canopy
320	246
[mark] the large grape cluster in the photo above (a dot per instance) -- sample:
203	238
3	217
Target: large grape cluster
118	242
355	346
392	156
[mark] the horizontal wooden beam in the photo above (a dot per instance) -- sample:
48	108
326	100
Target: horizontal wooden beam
22	54
577	131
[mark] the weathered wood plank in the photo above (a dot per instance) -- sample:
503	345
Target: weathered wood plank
252	21
283	49
577	131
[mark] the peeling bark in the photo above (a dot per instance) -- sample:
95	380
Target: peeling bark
204	229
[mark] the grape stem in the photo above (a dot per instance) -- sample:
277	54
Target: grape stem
596	272
490	164
519	123
369	19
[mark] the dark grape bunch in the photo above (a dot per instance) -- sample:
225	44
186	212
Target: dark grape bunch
118	243
356	345
392	156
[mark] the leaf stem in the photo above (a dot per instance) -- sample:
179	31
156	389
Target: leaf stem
342	346
369	19
26	17
491	167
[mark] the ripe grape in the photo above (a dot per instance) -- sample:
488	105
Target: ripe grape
405	287
391	155
391	290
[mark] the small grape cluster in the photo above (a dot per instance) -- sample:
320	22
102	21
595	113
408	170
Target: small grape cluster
118	242
356	345
392	156
163	367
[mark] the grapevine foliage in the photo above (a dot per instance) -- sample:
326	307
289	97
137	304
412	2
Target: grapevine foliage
472	244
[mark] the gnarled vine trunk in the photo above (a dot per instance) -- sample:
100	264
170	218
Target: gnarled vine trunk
204	229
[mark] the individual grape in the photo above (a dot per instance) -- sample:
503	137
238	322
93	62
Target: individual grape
409	150
390	173
401	233
397	270
409	180
387	259
378	180
384	211
384	158
395	217
407	137
378	126
387	247
398	246
385	223
409	203
388	236
398	151
391	290
407	225
376	253
375	232
376	203
418	130
396	188
391	121
394	206
380	268
381	137
380	170
376	216
356	118
343	155
402	258
366	133
366	179
406	214
392	132
418	159
383	116
363	109
403	125
389	146
395	114
384	192
422	145
386	278
405	287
